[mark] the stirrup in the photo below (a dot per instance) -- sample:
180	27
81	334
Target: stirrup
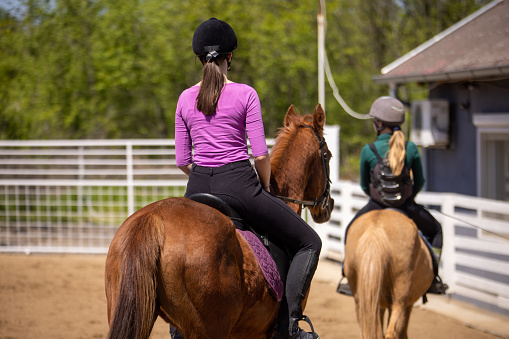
437	286
313	333
344	288
306	319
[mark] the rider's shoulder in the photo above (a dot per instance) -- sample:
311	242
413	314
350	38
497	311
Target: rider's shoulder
411	146
366	151
238	86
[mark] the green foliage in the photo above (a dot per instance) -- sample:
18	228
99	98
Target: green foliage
115	69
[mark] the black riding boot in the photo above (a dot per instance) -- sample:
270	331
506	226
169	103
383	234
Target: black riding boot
301	272
437	286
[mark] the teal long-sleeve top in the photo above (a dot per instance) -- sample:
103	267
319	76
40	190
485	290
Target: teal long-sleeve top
412	160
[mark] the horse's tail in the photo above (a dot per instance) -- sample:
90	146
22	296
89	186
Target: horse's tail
136	303
373	253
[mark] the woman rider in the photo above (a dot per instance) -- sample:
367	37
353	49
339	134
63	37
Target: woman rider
214	117
388	114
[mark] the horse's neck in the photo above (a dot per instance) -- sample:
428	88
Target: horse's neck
289	180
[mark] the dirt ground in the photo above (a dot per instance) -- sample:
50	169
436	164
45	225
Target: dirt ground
62	296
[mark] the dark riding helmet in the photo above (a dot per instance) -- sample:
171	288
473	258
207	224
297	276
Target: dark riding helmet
214	35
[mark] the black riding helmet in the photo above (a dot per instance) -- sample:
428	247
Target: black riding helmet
214	35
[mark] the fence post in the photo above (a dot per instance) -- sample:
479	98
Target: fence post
448	260
345	214
130	178
81	177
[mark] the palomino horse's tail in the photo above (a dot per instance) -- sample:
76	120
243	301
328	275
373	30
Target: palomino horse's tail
135	309
371	271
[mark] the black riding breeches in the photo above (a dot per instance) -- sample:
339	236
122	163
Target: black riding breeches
238	185
425	222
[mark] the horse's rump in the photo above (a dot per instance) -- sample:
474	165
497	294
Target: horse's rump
180	259
388	266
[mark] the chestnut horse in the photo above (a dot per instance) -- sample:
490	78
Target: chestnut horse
184	261
388	266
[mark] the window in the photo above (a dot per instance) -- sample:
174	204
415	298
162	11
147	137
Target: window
492	155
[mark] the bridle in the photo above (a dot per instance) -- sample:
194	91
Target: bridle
323	200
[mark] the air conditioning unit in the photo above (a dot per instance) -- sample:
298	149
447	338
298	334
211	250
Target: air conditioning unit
430	123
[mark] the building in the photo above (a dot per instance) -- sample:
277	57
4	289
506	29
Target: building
463	127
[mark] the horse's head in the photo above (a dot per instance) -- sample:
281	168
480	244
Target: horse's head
301	164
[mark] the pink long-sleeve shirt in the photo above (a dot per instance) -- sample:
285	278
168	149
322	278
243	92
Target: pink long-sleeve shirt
219	139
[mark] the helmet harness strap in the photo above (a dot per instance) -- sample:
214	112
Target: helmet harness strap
382	126
379	127
229	64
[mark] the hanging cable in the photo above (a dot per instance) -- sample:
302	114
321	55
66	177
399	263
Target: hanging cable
328	72
336	94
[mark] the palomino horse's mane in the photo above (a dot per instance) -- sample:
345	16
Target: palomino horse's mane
285	136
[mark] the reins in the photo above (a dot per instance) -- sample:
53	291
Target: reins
323	200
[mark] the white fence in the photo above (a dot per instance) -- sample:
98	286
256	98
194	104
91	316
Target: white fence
71	196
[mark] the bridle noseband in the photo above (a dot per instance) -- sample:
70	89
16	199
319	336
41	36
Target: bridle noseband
323	200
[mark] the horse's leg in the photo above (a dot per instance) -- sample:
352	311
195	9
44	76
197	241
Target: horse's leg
382	315
398	322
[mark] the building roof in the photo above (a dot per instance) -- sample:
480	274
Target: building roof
474	48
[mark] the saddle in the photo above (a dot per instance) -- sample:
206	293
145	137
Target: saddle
272	257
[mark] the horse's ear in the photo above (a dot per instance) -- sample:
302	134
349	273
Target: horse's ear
290	116
319	118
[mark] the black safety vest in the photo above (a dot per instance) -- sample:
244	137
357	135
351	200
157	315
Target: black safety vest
385	187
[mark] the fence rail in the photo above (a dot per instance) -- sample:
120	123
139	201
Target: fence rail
71	196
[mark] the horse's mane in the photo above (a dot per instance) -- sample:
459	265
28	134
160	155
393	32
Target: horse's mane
285	136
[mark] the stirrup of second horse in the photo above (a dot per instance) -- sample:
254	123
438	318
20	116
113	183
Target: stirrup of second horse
297	287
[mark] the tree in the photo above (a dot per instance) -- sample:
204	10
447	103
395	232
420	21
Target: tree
115	69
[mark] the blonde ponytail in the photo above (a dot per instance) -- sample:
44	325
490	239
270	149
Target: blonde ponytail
397	152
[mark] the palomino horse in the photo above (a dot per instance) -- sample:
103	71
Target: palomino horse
388	266
185	262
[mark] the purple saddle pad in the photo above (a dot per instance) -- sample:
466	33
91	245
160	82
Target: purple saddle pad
265	262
